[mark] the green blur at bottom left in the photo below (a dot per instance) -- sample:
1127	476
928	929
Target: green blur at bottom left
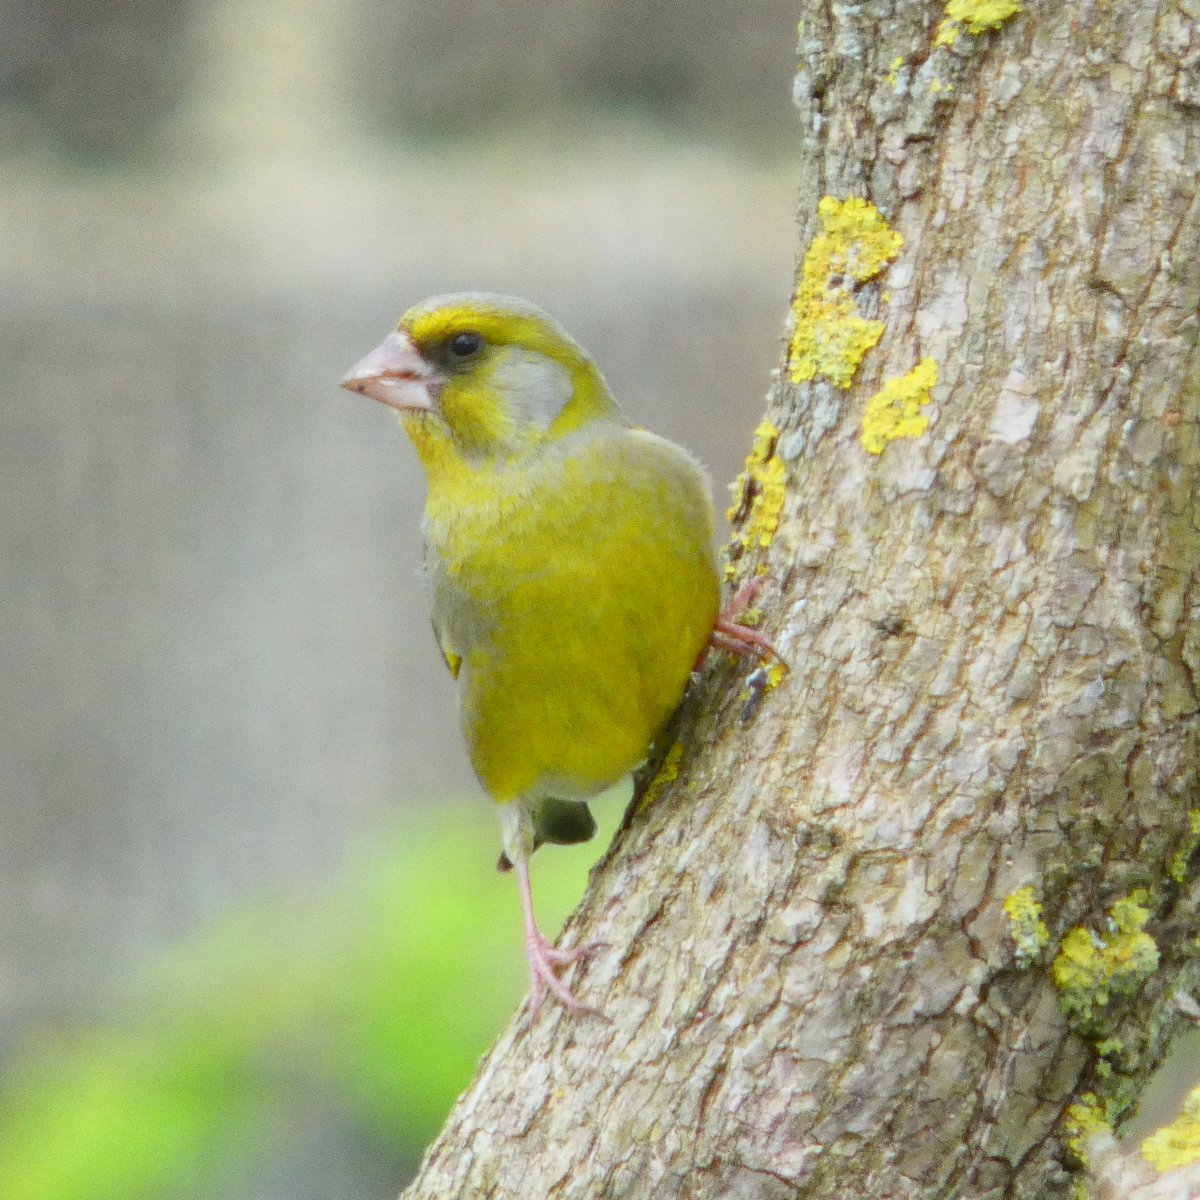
384	988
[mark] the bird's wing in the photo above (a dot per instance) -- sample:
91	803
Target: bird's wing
452	659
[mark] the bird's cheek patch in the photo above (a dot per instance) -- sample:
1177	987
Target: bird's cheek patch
535	387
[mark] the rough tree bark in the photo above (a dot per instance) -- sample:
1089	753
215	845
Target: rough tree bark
826	967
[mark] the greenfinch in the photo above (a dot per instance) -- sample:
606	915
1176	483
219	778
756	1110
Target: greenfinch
569	563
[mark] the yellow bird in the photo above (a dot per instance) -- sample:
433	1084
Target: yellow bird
569	562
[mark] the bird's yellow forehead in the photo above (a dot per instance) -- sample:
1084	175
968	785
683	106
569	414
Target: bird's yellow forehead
432	323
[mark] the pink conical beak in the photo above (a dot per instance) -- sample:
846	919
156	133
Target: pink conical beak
395	374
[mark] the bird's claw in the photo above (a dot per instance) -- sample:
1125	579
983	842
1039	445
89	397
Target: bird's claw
730	634
545	960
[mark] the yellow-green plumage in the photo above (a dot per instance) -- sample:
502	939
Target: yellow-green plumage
569	559
568	556
577	610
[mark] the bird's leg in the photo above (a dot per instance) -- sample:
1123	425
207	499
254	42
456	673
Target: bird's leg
730	634
543	957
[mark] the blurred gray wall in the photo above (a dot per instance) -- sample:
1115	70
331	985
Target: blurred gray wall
103	77
215	663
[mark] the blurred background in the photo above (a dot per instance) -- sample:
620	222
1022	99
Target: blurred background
251	939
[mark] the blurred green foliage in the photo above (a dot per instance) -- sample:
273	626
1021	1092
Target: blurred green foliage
386	985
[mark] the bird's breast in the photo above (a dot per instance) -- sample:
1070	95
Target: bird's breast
578	599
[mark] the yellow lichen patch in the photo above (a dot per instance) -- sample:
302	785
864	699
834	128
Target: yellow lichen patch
894	70
758	493
667	774
975	16
1084	1119
1025	925
1090	967
1110	1050
1177	1144
831	336
895	410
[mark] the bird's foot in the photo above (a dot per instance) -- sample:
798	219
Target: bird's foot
730	634
544	958
545	961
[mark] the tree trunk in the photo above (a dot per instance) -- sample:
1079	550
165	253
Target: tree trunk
910	923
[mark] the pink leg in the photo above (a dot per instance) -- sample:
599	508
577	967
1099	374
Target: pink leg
543	958
742	597
729	634
742	639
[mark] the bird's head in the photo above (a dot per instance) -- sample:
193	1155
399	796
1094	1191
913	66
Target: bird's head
482	378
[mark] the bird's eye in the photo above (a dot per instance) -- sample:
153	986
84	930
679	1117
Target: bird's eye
465	345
